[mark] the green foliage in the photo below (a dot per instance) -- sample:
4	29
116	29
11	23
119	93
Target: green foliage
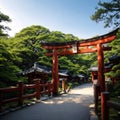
115	51
7	67
109	12
115	44
27	48
20	52
33	31
3	18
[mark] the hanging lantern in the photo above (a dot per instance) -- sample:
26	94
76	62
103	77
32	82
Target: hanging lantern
105	45
74	48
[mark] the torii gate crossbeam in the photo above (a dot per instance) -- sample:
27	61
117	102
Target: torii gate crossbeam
79	47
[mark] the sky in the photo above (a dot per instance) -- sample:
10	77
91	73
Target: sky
67	16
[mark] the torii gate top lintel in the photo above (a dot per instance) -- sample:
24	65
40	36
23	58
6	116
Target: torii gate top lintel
77	47
84	42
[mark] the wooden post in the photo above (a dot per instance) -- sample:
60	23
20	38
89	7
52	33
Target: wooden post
37	87
1	98
55	77
104	106
49	89
64	85
92	77
101	78
20	92
45	88
96	96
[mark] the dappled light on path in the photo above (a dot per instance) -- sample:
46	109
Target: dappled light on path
71	106
81	94
85	89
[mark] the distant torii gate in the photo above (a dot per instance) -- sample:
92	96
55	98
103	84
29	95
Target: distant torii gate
79	47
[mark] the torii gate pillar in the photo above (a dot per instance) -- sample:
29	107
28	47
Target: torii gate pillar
81	47
55	77
101	78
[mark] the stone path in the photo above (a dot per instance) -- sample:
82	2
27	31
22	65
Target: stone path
71	106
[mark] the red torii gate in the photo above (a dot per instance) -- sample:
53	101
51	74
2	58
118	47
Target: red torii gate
78	47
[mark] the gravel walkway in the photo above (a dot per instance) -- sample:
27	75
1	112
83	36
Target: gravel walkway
71	106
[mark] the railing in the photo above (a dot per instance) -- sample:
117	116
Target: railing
96	96
106	104
38	90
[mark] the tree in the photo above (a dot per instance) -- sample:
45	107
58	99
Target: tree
115	51
4	18
26	48
109	12
26	45
20	52
8	69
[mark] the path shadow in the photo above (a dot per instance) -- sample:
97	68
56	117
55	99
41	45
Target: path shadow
64	107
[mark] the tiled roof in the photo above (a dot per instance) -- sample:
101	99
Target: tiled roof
63	73
37	68
43	69
80	75
112	61
114	58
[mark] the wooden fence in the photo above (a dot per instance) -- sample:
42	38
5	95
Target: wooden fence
106	104
37	90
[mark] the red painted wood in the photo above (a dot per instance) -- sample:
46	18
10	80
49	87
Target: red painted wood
66	49
64	85
104	106
55	76
21	95
82	44
96	96
49	89
101	78
10	100
29	86
114	105
8	89
57	47
29	96
70	52
20	92
1	100
37	87
99	41
92	77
